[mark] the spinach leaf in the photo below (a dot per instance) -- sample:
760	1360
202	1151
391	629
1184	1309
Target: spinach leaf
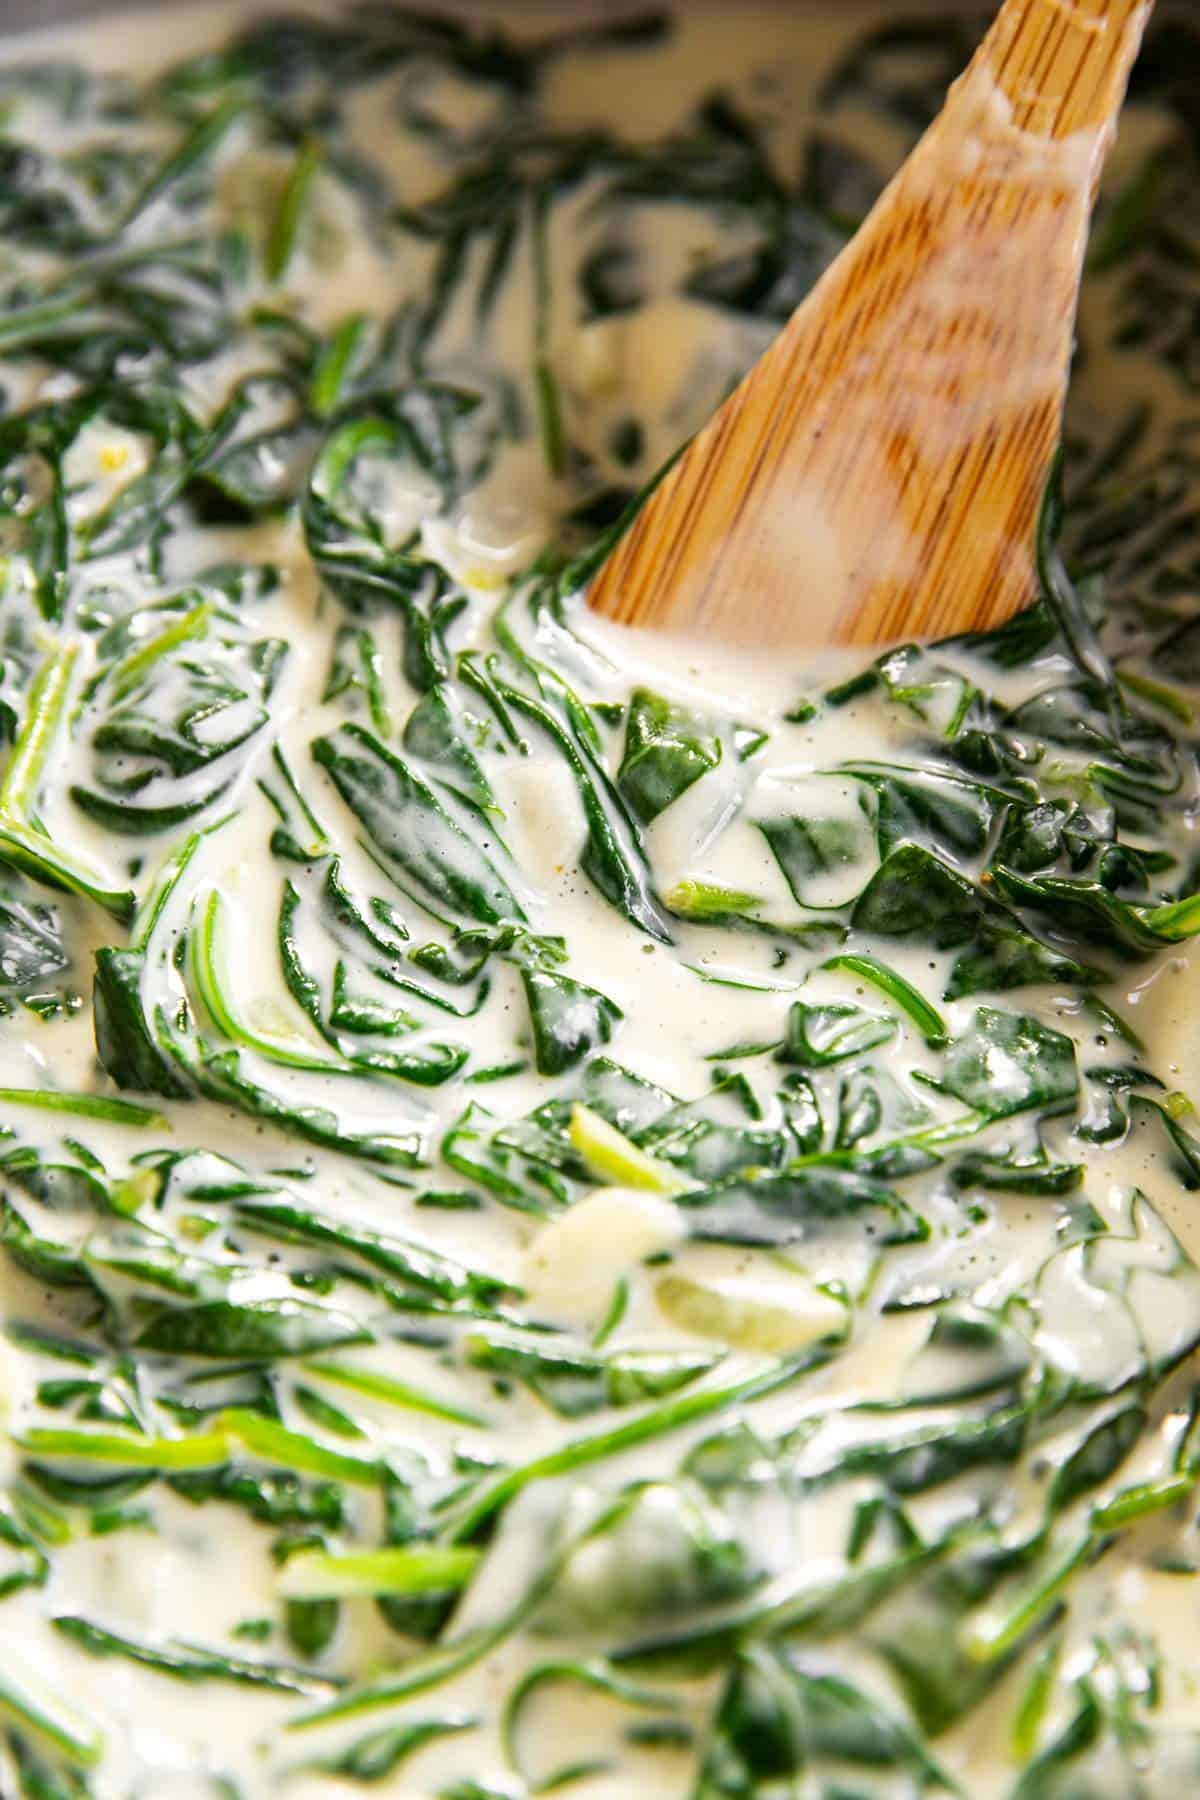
613	857
808	849
667	749
437	733
1083	912
798	1203
1005	1063
183	1663
32	950
379	1754
569	1019
168	719
451	873
830	1032
368	488
259	1330
780	1718
574	1385
915	897
126	1043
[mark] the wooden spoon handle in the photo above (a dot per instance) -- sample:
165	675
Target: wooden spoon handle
1055	61
878	473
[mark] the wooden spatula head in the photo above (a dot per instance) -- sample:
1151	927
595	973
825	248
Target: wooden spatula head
878	473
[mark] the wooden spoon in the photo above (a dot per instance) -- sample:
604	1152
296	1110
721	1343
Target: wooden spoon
878	473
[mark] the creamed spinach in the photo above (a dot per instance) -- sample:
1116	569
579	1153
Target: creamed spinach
576	1217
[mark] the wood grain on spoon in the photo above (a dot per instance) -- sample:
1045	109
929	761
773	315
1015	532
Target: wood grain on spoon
878	473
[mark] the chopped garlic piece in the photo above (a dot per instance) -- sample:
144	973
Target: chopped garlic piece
611	1153
575	1261
771	1313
